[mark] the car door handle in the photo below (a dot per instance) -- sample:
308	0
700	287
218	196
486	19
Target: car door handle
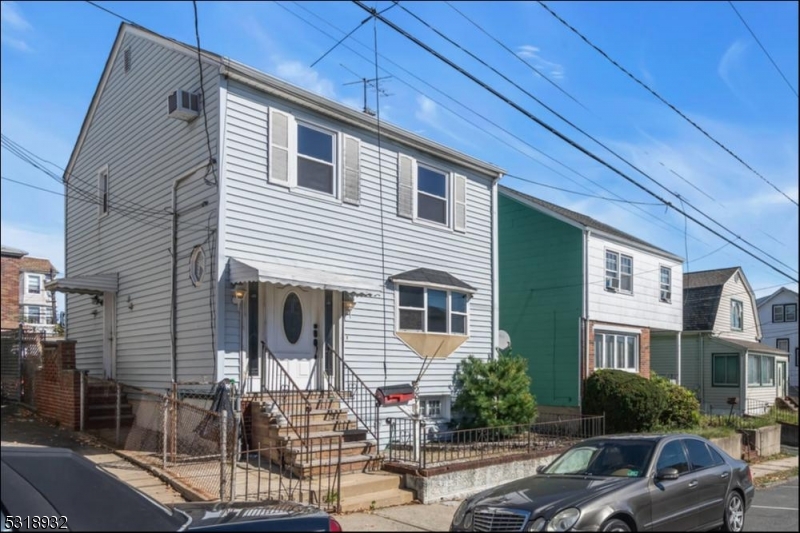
692	484
724	475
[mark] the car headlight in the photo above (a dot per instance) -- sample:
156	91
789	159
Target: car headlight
537	525
460	512
564	520
467	521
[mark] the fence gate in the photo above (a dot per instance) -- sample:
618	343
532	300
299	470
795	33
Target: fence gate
20	358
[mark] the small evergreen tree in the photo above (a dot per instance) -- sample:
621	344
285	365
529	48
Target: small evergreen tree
493	393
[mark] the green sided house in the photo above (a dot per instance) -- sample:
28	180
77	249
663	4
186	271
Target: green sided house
577	295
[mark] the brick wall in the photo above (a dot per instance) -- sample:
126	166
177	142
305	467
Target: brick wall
9	299
57	392
644	347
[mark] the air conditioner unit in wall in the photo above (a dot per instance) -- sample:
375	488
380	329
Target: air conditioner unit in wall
612	284
184	105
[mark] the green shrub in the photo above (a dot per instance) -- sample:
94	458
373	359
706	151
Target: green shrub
630	402
493	393
682	409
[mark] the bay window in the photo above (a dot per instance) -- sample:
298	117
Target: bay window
616	351
431	310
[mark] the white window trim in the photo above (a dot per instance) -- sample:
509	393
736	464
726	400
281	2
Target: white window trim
448	177
103	171
28	278
618	272
741	305
624	334
336	153
661	285
760	383
444	406
424	310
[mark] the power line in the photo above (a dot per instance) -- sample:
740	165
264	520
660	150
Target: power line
98	6
580	193
510	51
664	101
746	25
557	133
203	93
472	110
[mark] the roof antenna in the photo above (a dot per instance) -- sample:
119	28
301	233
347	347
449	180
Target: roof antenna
368	82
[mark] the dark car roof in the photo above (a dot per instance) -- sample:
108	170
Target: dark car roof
59	482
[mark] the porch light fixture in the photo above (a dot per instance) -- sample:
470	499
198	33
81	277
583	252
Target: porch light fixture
238	294
348	303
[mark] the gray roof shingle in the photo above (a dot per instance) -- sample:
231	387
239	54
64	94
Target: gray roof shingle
434	277
708	278
701	294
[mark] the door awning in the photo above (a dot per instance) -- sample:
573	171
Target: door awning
92	284
245	270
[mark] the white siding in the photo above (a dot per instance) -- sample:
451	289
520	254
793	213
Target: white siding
145	151
664	354
643	307
736	289
773	331
715	398
268	222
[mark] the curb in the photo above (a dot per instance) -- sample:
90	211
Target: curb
188	493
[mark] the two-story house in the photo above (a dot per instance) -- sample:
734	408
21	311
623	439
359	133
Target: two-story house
25	299
720	355
778	315
577	295
253	230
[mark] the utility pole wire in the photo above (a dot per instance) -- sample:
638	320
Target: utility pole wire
558	134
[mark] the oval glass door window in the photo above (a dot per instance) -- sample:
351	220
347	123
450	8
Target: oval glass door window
292	318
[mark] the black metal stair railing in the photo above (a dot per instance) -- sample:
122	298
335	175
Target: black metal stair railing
290	400
355	394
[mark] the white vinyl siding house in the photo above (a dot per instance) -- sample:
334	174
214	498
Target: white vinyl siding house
779	325
286	235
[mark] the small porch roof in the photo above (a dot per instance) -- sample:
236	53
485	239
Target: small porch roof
754	347
246	270
91	284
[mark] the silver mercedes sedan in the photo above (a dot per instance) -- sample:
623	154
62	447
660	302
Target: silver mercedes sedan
621	483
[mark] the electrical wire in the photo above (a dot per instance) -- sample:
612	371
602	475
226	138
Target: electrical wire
664	101
203	93
559	134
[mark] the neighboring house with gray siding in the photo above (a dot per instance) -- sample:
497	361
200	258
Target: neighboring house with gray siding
721	354
296	239
779	324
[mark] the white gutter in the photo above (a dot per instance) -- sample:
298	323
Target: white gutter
585	313
174	267
679	358
495	272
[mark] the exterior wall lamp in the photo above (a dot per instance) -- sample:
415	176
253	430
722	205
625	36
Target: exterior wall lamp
238	294
348	303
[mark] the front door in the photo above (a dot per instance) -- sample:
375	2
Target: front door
294	317
781	379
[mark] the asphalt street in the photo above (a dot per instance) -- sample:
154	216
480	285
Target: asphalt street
774	509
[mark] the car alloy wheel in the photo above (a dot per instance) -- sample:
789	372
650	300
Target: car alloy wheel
615	525
734	513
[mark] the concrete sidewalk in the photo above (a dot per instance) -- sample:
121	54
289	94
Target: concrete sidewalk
773	467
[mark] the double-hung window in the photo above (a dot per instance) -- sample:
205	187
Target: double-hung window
737	317
725	370
432	194
665	284
761	371
616	351
430	407
784	313
34	283
432	310
33	314
619	272
782	344
316	162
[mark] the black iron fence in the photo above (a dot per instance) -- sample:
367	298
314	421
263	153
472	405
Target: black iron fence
413	441
751	413
20	360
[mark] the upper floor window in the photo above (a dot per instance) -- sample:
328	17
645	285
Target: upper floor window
782	344
432	310
737	318
34	283
666	284
431	194
619	272
102	192
620	351
316	164
784	313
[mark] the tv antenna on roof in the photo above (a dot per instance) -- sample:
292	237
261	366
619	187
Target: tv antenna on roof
371	83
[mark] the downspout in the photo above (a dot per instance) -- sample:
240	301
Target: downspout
174	278
495	269
679	358
585	312
702	377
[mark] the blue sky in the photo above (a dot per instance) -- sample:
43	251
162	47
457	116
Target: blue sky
698	55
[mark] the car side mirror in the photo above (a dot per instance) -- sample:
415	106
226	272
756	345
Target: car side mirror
540	469
667	473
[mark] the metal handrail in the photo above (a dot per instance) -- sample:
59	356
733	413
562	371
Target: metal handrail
351	378
283	381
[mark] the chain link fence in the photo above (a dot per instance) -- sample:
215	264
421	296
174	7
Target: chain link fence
20	360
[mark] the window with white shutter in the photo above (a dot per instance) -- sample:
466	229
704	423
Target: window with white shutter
282	133
460	203
351	175
406	167
428	194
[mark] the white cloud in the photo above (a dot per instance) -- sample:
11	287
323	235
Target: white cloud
296	72
12	21
730	63
553	70
428	113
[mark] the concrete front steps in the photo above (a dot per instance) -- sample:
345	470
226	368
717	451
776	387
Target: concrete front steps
372	490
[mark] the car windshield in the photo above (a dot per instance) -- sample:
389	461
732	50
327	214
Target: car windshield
617	458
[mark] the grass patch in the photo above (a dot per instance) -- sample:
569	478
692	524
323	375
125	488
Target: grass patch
769	479
756	460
